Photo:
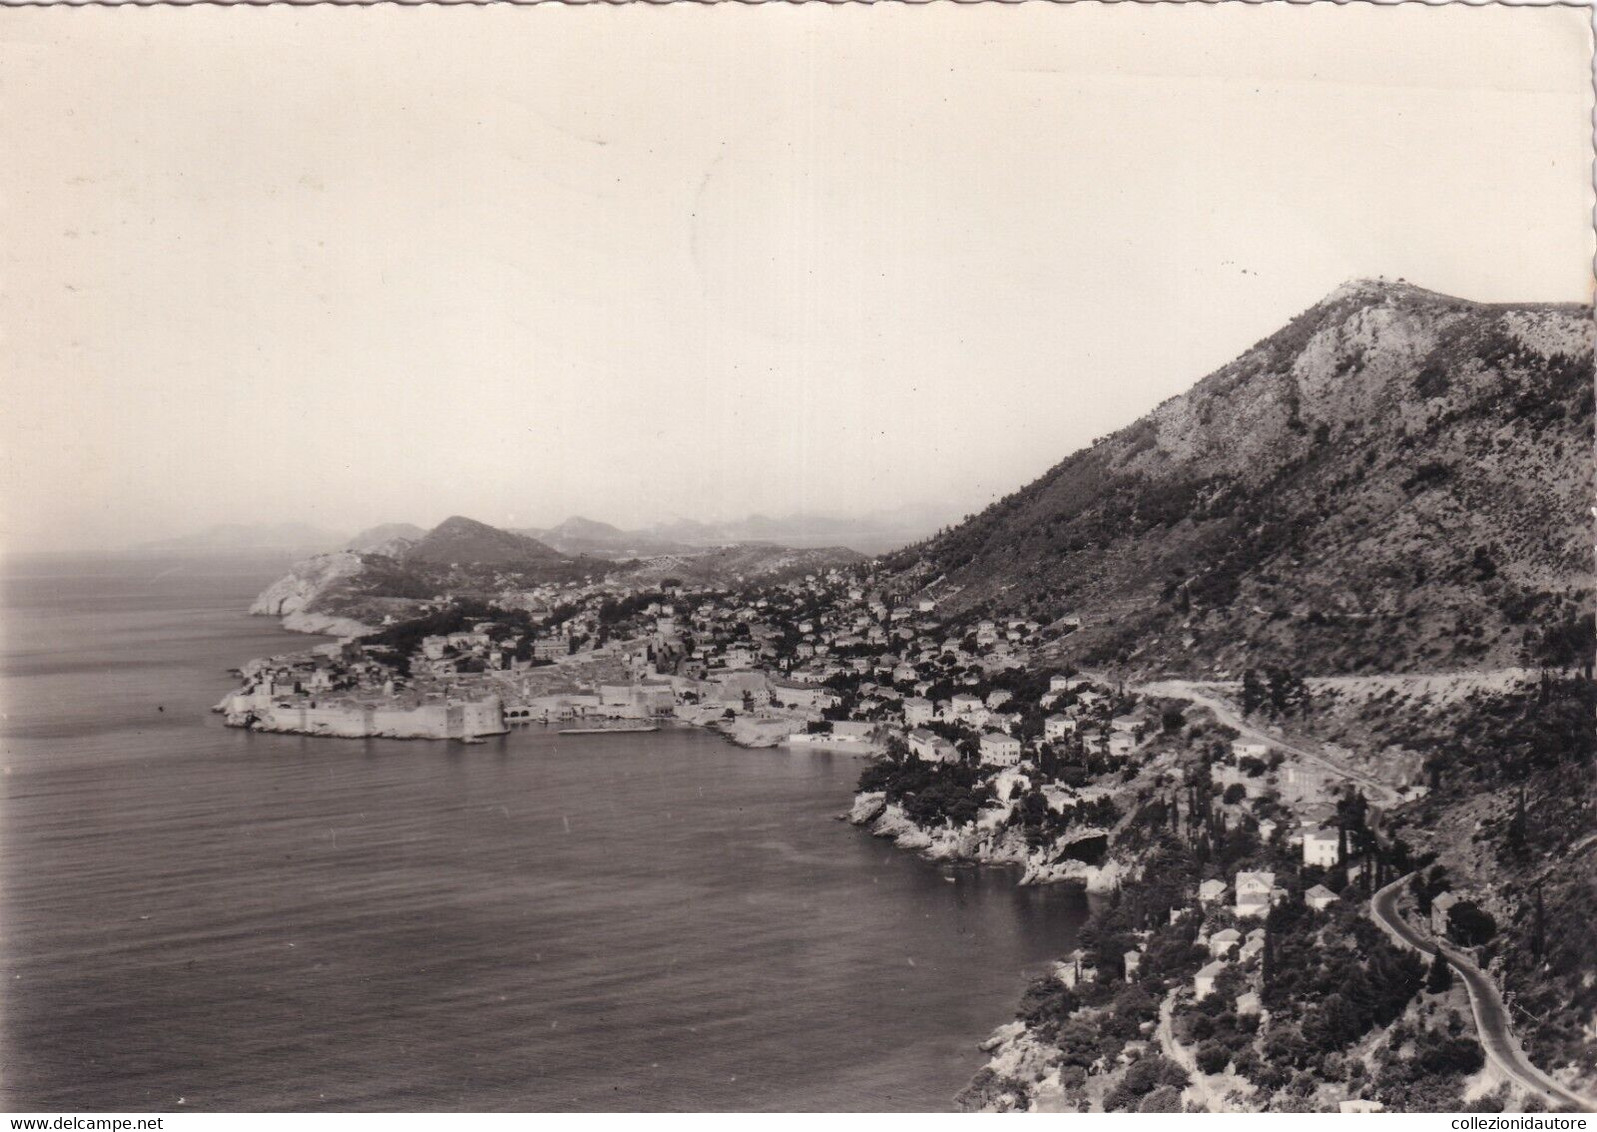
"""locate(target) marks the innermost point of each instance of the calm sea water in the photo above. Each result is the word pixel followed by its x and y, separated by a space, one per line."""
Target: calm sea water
pixel 197 917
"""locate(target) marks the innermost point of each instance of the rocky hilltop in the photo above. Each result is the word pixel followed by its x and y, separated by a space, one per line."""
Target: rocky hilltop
pixel 302 596
pixel 391 572
pixel 348 592
pixel 1397 480
pixel 459 539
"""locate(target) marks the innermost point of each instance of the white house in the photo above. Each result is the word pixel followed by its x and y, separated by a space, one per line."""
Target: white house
pixel 1203 981
pixel 964 704
pixel 1211 890
pixel 1248 1003
pixel 1121 744
pixel 1221 942
pixel 1319 898
pixel 997 698
pixel 999 750
pixel 1056 727
pixel 932 748
pixel 1249 748
pixel 1321 847
pixel 918 711
pixel 1132 960
pixel 1254 893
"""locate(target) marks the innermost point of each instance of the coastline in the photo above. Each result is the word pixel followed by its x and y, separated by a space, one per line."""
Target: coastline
pixel 991 842
pixel 362 720
pixel 1123 794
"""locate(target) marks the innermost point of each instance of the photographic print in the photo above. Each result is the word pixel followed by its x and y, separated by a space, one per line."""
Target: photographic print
pixel 784 558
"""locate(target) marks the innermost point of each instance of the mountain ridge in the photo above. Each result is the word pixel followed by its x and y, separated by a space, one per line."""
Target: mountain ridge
pixel 1392 463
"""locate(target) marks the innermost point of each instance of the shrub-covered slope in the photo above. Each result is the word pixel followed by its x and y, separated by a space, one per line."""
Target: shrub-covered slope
pixel 1396 480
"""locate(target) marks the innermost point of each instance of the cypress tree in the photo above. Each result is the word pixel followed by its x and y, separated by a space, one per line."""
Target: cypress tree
pixel 1440 977
pixel 1517 828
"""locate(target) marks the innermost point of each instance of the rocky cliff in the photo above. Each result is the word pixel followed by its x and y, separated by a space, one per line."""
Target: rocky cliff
pixel 1397 480
pixel 300 596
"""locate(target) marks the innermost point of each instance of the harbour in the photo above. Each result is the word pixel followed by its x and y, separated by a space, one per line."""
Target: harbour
pixel 247 920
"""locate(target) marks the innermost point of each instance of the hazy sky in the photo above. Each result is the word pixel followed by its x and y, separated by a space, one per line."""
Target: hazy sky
pixel 350 266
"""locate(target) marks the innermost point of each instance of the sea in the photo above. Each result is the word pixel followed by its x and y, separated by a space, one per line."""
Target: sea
pixel 193 917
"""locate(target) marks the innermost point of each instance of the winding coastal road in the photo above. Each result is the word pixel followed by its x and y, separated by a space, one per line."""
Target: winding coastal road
pixel 1491 1015
pixel 1375 790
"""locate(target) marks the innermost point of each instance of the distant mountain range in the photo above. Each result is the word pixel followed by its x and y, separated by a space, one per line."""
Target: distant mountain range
pixel 869 535
pixel 385 573
pixel 385 537
pixel 1396 480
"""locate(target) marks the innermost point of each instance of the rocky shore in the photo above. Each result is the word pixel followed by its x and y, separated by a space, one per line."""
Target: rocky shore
pixel 987 841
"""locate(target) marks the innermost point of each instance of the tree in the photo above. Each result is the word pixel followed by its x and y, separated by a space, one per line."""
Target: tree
pixel 1287 692
pixel 1145 1075
pixel 1440 977
pixel 1165 1098
pixel 1212 1057
pixel 1469 925
pixel 1517 828
pixel 1254 692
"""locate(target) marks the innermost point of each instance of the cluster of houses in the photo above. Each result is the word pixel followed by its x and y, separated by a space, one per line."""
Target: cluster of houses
pixel 827 652
pixel 1253 894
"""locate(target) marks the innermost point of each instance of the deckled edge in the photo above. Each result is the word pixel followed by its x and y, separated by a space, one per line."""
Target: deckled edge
pixel 757 3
